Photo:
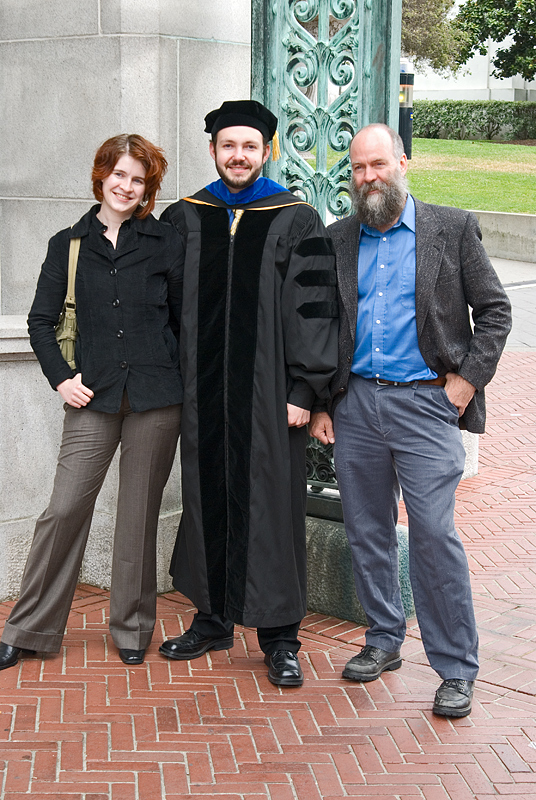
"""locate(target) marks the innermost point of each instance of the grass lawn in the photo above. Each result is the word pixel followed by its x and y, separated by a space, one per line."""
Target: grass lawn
pixel 483 176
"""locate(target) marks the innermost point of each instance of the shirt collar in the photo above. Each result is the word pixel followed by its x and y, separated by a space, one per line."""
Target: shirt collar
pixel 149 225
pixel 406 218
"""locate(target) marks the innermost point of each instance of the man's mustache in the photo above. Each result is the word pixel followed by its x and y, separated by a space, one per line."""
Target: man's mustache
pixel 372 187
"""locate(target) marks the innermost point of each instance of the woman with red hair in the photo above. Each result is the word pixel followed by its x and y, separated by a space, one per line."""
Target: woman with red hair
pixel 125 389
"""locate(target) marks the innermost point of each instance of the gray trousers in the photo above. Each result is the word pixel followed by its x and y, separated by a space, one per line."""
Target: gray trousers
pixel 90 438
pixel 389 437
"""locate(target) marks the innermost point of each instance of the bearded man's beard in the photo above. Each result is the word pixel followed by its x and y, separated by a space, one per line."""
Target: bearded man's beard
pixel 241 182
pixel 384 207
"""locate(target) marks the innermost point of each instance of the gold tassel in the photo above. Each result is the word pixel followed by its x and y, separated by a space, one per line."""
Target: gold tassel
pixel 276 150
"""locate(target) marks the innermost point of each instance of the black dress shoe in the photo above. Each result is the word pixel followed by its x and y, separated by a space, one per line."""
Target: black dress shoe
pixel 9 656
pixel 193 645
pixel 454 698
pixel 370 663
pixel 284 668
pixel 131 657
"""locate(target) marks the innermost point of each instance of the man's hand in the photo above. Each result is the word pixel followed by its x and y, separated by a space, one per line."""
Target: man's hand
pixel 74 392
pixel 459 391
pixel 297 417
pixel 321 427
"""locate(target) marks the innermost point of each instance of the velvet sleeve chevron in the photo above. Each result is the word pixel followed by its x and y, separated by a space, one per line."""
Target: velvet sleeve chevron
pixel 310 311
pixel 174 215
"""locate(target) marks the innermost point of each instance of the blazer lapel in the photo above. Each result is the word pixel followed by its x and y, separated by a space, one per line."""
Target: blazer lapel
pixel 429 247
pixel 347 270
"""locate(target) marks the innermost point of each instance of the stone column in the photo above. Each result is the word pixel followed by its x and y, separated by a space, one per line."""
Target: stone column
pixel 72 74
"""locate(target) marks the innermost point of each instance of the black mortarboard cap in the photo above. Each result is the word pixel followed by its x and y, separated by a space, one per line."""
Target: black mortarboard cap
pixel 242 112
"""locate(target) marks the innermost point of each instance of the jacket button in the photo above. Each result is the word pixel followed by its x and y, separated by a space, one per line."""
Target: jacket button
pixel 120 334
pixel 341 390
pixel 123 365
pixel 348 358
pixel 113 271
pixel 115 303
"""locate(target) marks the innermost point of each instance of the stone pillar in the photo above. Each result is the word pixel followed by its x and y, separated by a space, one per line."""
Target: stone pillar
pixel 71 75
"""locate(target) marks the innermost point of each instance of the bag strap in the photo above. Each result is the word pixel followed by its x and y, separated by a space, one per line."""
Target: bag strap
pixel 74 249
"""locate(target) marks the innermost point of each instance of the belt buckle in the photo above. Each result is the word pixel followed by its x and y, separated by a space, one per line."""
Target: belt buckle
pixel 381 382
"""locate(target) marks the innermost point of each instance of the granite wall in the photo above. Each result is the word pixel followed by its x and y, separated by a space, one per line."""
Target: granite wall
pixel 73 73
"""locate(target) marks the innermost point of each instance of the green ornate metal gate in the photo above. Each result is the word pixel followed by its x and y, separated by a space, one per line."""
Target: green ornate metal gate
pixel 326 68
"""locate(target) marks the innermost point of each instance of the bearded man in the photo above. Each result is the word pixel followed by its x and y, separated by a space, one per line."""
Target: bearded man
pixel 412 372
pixel 258 347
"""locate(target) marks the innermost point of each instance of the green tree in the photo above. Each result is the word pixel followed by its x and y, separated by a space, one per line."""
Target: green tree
pixel 430 35
pixel 482 20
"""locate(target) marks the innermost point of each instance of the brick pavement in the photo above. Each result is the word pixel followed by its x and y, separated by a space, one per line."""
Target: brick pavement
pixel 82 726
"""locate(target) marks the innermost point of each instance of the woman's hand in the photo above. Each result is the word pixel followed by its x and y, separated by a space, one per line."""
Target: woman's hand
pixel 74 392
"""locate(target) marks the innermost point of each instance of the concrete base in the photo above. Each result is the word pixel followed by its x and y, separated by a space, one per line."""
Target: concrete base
pixel 470 443
pixel 330 580
pixel 511 236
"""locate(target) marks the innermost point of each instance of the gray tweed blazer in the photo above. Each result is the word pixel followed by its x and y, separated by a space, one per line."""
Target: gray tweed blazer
pixel 462 311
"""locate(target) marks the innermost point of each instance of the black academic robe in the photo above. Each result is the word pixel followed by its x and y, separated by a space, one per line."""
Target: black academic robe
pixel 258 331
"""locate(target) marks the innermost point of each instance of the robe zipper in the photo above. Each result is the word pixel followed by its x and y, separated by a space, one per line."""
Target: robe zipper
pixel 232 232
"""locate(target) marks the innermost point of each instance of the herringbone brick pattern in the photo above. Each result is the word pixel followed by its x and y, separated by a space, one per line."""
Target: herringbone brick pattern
pixel 82 726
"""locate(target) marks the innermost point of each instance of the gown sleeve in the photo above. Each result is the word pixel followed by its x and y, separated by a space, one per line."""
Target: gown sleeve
pixel 310 310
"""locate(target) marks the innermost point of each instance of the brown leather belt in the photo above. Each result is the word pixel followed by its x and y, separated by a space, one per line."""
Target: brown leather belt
pixel 440 381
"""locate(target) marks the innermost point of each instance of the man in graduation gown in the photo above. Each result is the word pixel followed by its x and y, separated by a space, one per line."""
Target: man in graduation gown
pixel 258 346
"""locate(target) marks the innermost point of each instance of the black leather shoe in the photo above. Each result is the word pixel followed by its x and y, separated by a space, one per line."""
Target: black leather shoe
pixel 370 663
pixel 454 698
pixel 284 668
pixel 193 645
pixel 131 657
pixel 9 655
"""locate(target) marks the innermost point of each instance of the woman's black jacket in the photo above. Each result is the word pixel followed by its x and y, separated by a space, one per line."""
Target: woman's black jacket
pixel 128 305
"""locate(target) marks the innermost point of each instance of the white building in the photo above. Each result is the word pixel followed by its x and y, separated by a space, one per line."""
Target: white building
pixel 474 82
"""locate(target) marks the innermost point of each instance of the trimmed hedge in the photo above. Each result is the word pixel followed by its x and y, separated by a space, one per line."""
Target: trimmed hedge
pixel 474 119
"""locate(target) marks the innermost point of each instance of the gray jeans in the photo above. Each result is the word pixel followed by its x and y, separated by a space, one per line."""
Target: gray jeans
pixel 90 438
pixel 389 437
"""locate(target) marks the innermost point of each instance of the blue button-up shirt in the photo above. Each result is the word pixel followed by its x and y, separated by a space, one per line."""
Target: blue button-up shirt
pixel 386 336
